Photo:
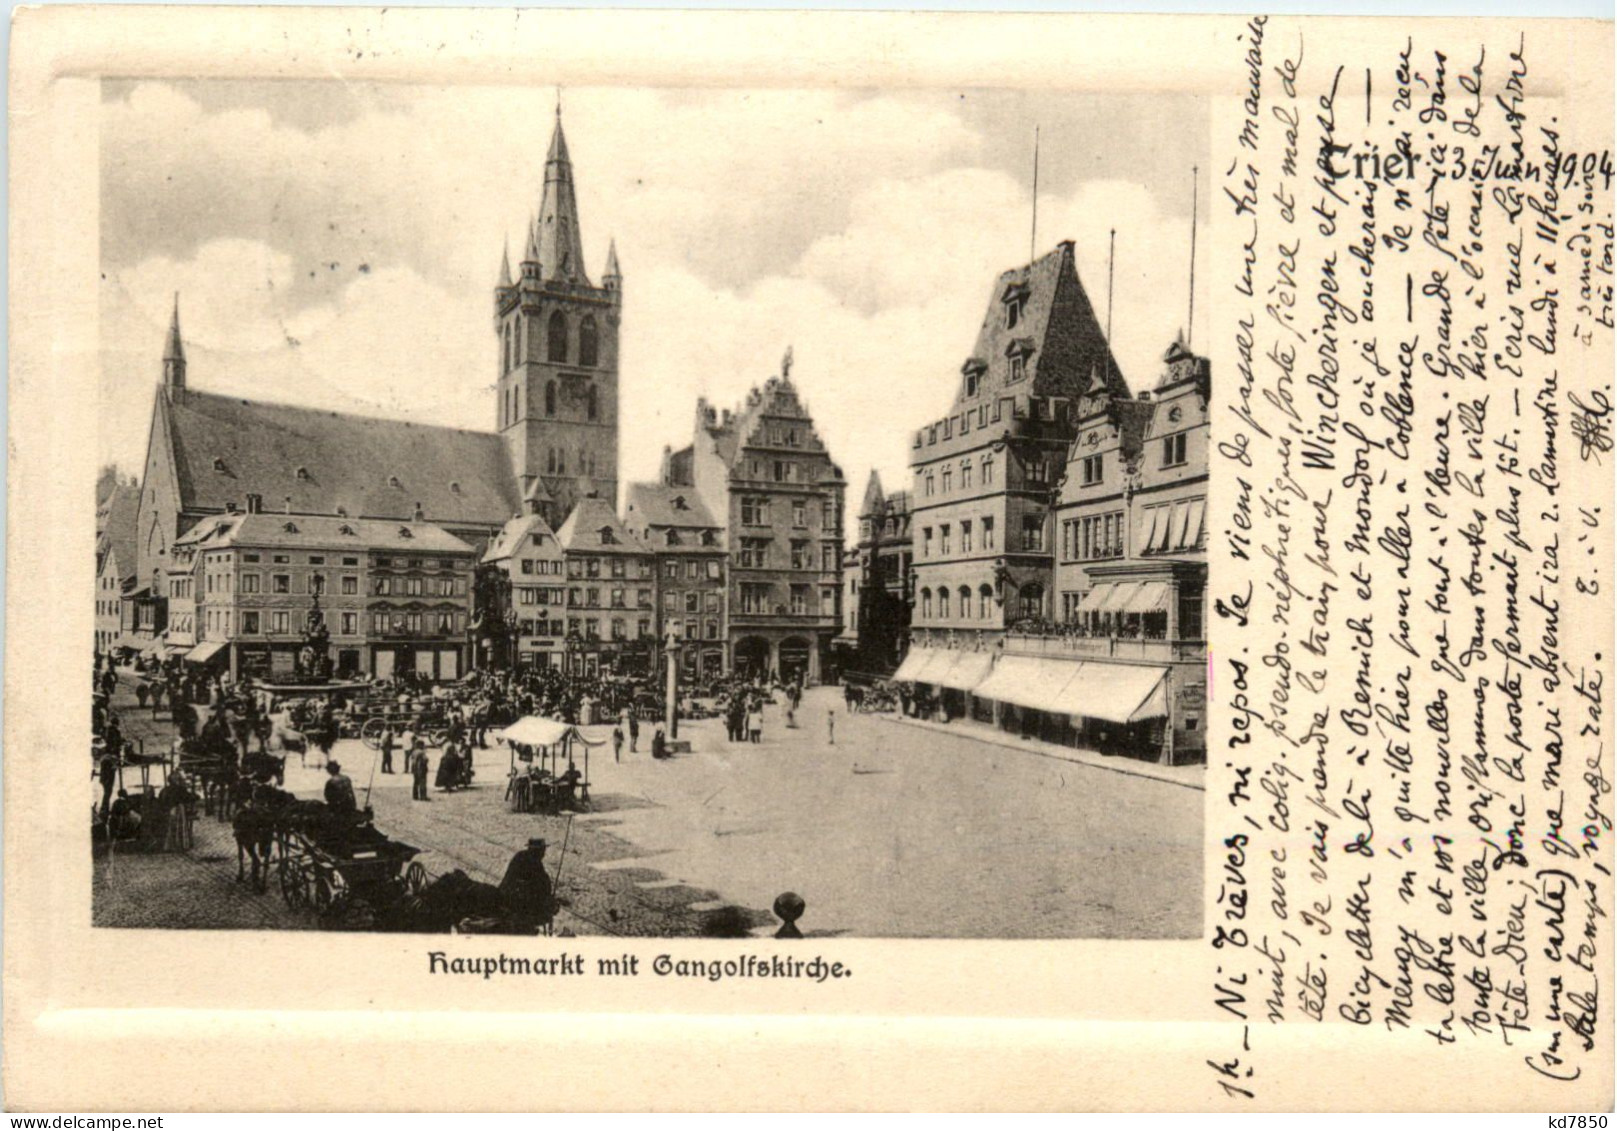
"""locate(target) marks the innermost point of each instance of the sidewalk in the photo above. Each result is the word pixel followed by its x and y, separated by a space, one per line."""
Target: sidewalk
pixel 1190 776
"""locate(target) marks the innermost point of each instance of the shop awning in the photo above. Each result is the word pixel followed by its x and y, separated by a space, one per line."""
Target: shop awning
pixel 965 671
pixel 921 663
pixel 1095 600
pixel 205 651
pixel 1148 597
pixel 1119 693
pixel 1118 599
pixel 1030 681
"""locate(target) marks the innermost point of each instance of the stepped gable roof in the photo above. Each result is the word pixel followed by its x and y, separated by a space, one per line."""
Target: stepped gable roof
pixel 1133 422
pixel 322 532
pixel 1057 321
pixel 583 530
pixel 659 504
pixel 368 467
pixel 117 528
pixel 517 534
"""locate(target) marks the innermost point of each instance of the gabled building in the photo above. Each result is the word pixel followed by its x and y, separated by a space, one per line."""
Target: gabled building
pixel 527 618
pixel 767 472
pixel 611 594
pixel 115 564
pixel 985 473
pixel 688 543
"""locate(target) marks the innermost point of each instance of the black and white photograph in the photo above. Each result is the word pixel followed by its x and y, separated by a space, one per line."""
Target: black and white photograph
pixel 638 512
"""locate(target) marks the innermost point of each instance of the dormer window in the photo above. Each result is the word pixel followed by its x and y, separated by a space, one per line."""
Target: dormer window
pixel 393 481
pixel 607 537
pixel 679 503
pixel 219 463
pixel 1015 300
pixel 303 474
pixel 671 538
pixel 454 486
pixel 342 512
pixel 1018 367
pixel 290 527
pixel 346 529
pixel 406 532
pixel 709 538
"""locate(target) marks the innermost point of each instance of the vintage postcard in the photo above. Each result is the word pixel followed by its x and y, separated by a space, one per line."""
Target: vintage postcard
pixel 1074 545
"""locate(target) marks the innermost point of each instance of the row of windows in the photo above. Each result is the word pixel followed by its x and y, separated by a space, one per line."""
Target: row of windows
pixel 755 512
pixel 945 546
pixel 983 414
pixel 556 458
pixel 929 482
pixel 754 554
pixel 1093 537
pixel 533 595
pixel 783 470
pixel 694 571
pixel 758 598
pixel 556 341
pixel 641 568
pixel 944 603
pixel 580 597
pixel 530 567
pixel 693 601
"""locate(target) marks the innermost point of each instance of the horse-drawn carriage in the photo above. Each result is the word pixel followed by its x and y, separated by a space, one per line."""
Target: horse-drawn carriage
pixel 370 719
pixel 333 870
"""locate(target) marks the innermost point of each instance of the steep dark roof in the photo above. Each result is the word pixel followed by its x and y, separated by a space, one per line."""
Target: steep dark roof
pixel 318 532
pixel 656 504
pixel 326 461
pixel 116 523
pixel 582 530
pixel 1057 323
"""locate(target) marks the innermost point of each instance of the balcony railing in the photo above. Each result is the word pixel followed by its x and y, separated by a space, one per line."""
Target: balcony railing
pixel 1105 647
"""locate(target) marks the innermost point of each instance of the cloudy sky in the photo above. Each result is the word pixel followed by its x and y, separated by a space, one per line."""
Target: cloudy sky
pixel 337 244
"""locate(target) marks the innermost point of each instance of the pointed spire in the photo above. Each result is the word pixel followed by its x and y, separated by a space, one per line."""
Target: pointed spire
pixel 505 264
pixel 612 270
pixel 561 248
pixel 174 351
pixel 531 253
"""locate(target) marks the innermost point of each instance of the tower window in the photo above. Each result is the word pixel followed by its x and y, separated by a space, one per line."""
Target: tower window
pixel 558 337
pixel 595 403
pixel 550 398
pixel 588 347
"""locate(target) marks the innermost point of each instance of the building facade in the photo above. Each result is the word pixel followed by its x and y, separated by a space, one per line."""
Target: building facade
pixel 393 597
pixel 525 616
pixel 985 474
pixel 611 595
pixel 692 590
pixel 885 577
pixel 765 469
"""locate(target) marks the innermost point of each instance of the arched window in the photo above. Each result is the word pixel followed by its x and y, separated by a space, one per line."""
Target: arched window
pixel 550 398
pixel 516 402
pixel 588 349
pixel 1032 600
pixel 988 471
pixel 558 337
pixel 505 349
pixel 965 602
pixel 943 604
pixel 550 461
pixel 516 349
pixel 595 403
pixel 985 596
pixel 926 604
pixel 561 461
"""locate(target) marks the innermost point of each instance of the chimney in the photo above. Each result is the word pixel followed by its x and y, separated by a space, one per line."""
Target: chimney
pixel 255 503
pixel 418 514
pixel 667 473
pixel 287 507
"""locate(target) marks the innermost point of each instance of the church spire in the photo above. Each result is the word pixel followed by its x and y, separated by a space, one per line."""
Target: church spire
pixel 561 249
pixel 613 279
pixel 505 264
pixel 174 351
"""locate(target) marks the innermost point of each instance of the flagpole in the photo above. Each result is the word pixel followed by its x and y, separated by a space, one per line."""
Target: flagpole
pixel 1033 236
pixel 1190 330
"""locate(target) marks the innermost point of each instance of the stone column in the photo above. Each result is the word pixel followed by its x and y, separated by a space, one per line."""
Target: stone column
pixel 671 688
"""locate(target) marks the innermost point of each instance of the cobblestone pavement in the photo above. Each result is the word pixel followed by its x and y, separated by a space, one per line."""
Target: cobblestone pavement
pixel 891 831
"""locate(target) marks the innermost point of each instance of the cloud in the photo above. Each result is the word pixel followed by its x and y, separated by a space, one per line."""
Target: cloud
pixel 348 260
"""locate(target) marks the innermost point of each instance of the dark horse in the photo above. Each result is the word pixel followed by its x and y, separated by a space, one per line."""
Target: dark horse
pixel 254 826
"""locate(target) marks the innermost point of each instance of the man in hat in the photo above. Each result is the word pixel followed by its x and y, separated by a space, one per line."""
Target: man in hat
pixel 526 892
pixel 418 771
pixel 339 791
pixel 108 769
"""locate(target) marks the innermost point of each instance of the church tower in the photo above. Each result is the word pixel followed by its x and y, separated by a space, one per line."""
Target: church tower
pixel 558 355
pixel 174 354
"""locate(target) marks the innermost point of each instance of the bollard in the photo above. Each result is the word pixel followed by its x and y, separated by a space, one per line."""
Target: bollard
pixel 789 908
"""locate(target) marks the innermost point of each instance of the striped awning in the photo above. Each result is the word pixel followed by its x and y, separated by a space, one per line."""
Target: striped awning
pixel 965 671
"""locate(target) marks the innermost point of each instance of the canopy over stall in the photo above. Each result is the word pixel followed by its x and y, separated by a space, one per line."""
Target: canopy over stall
pixel 551 738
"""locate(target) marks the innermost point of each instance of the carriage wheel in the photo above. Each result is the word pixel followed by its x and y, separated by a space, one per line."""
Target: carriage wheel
pixel 415 879
pixel 371 733
pixel 291 882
